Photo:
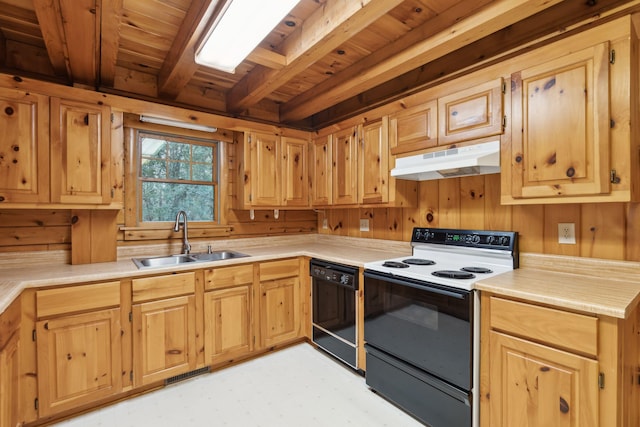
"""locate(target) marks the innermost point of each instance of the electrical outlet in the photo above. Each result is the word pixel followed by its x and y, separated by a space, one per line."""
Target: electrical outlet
pixel 567 233
pixel 325 224
pixel 364 224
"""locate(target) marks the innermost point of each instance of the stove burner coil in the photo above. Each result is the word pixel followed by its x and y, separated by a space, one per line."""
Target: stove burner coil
pixel 453 274
pixel 395 264
pixel 418 261
pixel 480 270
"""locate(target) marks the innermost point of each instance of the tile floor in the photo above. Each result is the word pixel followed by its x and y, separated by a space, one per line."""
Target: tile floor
pixel 297 386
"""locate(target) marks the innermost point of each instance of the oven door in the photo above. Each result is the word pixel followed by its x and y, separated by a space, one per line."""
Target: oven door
pixel 425 325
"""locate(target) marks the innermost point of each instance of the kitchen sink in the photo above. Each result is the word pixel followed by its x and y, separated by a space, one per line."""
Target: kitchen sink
pixel 168 260
pixel 217 255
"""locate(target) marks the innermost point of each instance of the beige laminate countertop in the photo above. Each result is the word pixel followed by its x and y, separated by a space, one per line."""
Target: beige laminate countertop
pixel 343 250
pixel 609 288
pixel 582 284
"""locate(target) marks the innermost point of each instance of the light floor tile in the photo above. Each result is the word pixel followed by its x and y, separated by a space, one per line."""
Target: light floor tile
pixel 297 386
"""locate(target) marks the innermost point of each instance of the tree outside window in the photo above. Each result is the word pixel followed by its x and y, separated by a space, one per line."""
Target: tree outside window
pixel 177 173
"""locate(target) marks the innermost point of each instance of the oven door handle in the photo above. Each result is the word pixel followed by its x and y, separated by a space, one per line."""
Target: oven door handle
pixel 421 286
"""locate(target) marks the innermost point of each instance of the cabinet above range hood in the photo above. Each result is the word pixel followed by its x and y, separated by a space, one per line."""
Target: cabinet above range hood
pixel 479 159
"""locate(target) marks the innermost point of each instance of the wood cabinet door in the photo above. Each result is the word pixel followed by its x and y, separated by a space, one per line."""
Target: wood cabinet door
pixel 279 310
pixel 560 139
pixel 321 185
pixel 345 167
pixel 10 382
pixel 163 339
pixel 80 152
pixel 472 113
pixel 414 129
pixel 79 360
pixel 227 324
pixel 295 179
pixel 373 166
pixel 537 386
pixel 265 169
pixel 24 147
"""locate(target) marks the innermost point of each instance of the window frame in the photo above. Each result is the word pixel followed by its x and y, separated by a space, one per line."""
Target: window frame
pixel 177 137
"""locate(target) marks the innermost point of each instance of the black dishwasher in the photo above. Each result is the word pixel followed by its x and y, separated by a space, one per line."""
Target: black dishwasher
pixel 334 295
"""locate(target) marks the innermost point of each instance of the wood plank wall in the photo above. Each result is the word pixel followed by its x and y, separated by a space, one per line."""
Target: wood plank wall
pixel 35 230
pixel 603 230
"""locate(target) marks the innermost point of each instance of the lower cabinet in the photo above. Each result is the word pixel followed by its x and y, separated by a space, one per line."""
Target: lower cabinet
pixel 78 355
pixel 9 382
pixel 279 307
pixel 228 304
pixel 546 366
pixel 537 385
pixel 164 323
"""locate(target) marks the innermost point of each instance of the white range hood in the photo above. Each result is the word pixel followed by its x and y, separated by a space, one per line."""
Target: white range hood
pixel 476 159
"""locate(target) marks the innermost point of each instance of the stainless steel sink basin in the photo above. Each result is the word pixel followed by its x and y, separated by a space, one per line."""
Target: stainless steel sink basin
pixel 217 255
pixel 164 261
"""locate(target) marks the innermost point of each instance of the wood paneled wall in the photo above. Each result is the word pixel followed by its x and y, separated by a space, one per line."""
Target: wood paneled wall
pixel 603 230
pixel 34 230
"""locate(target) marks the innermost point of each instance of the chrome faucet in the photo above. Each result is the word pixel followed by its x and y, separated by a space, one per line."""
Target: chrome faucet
pixel 186 247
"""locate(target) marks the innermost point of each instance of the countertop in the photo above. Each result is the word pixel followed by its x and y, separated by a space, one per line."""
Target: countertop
pixel 602 287
pixel 345 250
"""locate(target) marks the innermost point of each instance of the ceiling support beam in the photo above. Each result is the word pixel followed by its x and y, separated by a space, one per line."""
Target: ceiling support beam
pixel 328 28
pixel 418 47
pixel 179 66
pixel 49 18
pixel 109 40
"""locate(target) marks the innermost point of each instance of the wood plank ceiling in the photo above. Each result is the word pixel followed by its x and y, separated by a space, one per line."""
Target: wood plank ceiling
pixel 327 60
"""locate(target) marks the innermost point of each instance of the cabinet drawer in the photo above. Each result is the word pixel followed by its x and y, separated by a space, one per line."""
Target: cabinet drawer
pixel 547 325
pixel 172 285
pixel 216 278
pixel 53 302
pixel 279 269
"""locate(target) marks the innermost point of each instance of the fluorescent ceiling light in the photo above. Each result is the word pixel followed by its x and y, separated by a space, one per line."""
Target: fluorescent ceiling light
pixel 178 124
pixel 238 30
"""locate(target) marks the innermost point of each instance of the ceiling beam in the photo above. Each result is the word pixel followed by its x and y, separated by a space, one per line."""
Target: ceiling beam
pixel 329 27
pixel 418 47
pixel 179 65
pixel 268 58
pixel 50 20
pixel 110 18
pixel 546 24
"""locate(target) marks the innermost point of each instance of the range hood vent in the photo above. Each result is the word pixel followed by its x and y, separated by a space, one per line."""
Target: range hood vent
pixel 479 159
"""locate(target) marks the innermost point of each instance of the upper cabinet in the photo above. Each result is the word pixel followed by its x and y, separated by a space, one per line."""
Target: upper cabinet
pixel 322 163
pixel 345 167
pixel 414 129
pixel 24 147
pixel 570 138
pixel 275 171
pixel 472 113
pixel 53 152
pixel 80 152
pixel 351 167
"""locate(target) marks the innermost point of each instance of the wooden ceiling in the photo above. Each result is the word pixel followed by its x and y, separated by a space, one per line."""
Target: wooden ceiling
pixel 327 60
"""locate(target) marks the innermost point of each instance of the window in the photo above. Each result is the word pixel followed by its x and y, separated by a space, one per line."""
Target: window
pixel 177 173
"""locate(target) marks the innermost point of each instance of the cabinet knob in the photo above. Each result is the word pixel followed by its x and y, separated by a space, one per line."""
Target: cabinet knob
pixel 1 198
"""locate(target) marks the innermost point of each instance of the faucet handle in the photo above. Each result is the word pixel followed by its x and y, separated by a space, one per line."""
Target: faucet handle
pixel 209 249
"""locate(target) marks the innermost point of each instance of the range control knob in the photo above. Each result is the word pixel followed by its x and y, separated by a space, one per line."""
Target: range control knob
pixel 344 279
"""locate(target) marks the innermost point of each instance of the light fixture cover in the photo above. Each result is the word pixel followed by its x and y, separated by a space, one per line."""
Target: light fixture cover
pixel 239 29
pixel 177 123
